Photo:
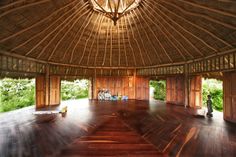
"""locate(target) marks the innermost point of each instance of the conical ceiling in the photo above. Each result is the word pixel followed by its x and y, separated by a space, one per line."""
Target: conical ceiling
pixel 157 32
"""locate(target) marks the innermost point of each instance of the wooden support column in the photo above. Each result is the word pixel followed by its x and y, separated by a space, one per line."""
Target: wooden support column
pixel 196 92
pixel 229 90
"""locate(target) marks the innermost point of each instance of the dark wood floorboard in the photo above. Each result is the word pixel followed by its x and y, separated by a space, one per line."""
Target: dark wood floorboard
pixel 103 128
pixel 112 138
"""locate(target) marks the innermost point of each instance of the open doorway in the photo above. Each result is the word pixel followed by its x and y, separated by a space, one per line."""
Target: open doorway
pixel 16 93
pixel 73 90
pixel 157 90
pixel 214 88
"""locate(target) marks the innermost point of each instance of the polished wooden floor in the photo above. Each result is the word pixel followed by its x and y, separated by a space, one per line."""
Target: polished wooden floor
pixel 103 128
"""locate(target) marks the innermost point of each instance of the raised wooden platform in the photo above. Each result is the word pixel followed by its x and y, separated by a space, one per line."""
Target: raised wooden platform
pixel 132 128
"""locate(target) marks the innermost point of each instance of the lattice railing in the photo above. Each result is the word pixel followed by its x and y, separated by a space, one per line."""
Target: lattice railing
pixel 221 63
pixel 167 70
pixel 15 65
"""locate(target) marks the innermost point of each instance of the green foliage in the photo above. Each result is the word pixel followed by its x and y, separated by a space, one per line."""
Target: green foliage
pixel 213 87
pixel 159 89
pixel 74 90
pixel 19 93
pixel 16 93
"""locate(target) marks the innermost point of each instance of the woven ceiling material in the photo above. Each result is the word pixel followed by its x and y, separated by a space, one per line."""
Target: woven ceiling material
pixel 158 32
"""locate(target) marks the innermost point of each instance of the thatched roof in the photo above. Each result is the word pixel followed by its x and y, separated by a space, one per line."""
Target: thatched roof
pixel 158 32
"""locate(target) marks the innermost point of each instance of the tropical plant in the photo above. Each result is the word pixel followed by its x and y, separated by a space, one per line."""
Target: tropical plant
pixel 19 93
pixel 74 89
pixel 159 89
pixel 16 93
pixel 214 88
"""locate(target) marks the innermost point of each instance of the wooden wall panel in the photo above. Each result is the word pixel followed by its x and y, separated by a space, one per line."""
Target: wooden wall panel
pixel 229 89
pixel 55 90
pixel 227 96
pixel 131 87
pixel 196 92
pixel 139 90
pixel 180 90
pixel 168 89
pixel 115 85
pixel 142 88
pixel 175 92
pixel 124 86
pixel 40 91
pixel 47 91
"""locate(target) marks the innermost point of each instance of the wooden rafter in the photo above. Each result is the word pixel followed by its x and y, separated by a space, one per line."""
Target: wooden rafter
pixel 154 38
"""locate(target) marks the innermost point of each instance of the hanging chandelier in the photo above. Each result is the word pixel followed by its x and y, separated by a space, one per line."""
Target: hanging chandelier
pixel 114 9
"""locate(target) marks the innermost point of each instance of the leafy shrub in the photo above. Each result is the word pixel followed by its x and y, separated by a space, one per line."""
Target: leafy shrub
pixel 74 90
pixel 159 89
pixel 16 93
pixel 19 93
pixel 214 88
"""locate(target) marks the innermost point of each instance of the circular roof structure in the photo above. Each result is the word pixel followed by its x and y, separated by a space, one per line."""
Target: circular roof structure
pixel 157 32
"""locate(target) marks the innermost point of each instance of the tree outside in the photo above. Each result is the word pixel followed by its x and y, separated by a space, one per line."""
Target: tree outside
pixel 16 93
pixel 19 93
pixel 74 89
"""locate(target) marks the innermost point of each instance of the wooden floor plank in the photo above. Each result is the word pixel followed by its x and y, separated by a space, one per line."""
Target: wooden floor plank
pixel 131 128
pixel 115 145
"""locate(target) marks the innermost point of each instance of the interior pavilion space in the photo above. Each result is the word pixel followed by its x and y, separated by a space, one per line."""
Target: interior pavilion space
pixel 119 45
